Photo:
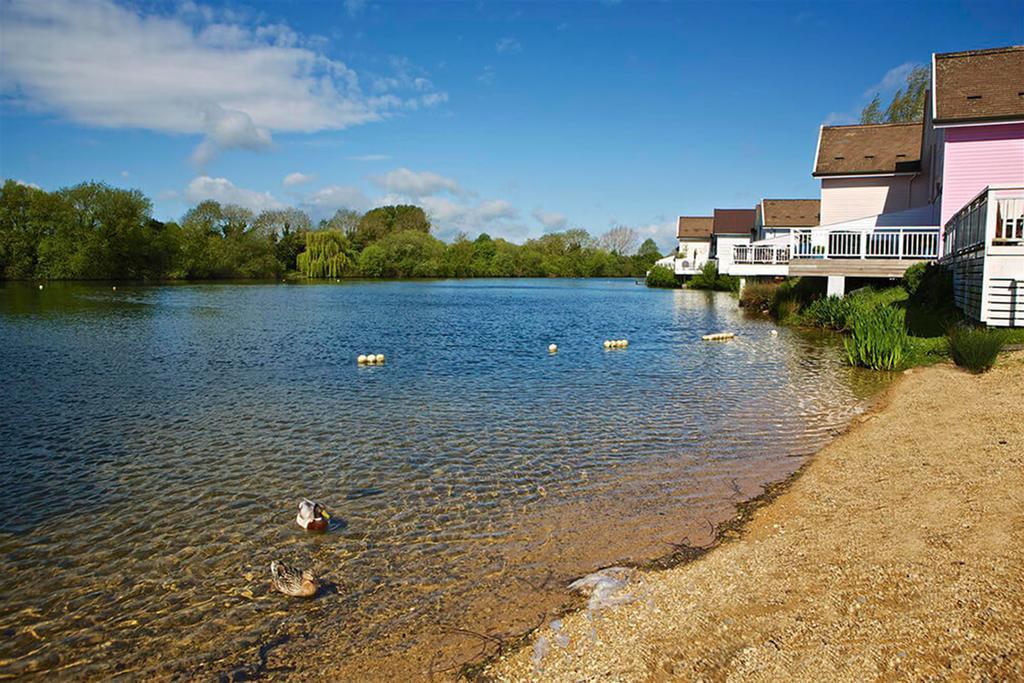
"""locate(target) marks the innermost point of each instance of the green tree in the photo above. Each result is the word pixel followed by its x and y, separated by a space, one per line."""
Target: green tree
pixel 383 220
pixel 872 112
pixel 907 103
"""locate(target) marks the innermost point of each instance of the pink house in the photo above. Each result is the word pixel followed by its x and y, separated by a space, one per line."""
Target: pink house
pixel 977 110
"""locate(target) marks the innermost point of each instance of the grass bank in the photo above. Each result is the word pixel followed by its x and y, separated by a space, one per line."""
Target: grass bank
pixel 890 328
pixel 895 555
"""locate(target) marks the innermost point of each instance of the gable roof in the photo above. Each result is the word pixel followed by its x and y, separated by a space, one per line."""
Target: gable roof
pixel 868 149
pixel 733 221
pixel 979 85
pixel 790 213
pixel 694 227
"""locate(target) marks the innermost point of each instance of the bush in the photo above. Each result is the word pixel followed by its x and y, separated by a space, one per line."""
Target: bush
pixel 912 277
pixel 758 296
pixel 878 338
pixel 661 276
pixel 791 296
pixel 929 284
pixel 708 278
pixel 975 349
pixel 830 312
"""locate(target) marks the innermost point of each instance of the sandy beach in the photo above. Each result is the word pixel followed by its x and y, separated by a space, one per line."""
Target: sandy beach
pixel 896 554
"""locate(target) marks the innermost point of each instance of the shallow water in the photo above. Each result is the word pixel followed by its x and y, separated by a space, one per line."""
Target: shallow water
pixel 155 442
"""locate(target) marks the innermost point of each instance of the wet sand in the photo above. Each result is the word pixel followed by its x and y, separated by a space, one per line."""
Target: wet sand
pixel 897 553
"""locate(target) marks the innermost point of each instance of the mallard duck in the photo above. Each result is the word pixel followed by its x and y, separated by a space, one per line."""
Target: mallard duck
pixel 300 584
pixel 312 516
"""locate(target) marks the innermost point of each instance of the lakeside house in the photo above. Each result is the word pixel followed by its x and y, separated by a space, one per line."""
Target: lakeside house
pixel 777 218
pixel 977 109
pixel 693 234
pixel 949 188
pixel 730 228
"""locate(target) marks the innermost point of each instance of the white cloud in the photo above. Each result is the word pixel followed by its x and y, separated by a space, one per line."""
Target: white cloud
pixel 508 46
pixel 838 118
pixel 197 71
pixel 494 209
pixel 416 184
pixel 487 75
pixel 369 157
pixel 355 7
pixel 293 179
pixel 894 78
pixel 125 174
pixel 24 183
pixel 224 191
pixel 551 220
pixel 329 199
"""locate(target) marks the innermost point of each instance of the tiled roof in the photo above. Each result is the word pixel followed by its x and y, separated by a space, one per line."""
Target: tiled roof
pixel 791 213
pixel 694 226
pixel 734 221
pixel 979 85
pixel 869 148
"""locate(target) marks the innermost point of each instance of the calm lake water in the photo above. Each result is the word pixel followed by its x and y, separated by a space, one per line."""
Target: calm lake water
pixel 155 442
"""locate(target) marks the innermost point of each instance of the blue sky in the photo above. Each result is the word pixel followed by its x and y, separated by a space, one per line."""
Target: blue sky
pixel 509 118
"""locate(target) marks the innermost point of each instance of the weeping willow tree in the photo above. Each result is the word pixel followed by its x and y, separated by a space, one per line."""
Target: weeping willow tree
pixel 326 254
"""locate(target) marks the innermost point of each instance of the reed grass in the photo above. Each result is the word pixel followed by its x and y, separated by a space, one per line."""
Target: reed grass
pixel 975 349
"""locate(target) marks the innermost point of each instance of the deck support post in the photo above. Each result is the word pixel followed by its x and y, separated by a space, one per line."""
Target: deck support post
pixel 743 283
pixel 837 285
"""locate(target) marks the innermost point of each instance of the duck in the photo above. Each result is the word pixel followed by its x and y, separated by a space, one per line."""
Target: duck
pixel 290 581
pixel 312 516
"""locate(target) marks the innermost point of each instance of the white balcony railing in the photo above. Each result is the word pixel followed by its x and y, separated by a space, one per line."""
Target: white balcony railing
pixel 755 254
pixel 995 217
pixel 873 243
pixel 823 243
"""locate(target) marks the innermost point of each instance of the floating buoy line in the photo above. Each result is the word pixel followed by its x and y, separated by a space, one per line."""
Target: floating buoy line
pixel 616 343
pixel 718 336
pixel 371 359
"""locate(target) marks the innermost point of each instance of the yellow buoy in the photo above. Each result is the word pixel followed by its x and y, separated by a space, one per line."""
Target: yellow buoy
pixel 379 358
pixel 361 360
pixel 552 348
pixel 775 333
pixel 607 343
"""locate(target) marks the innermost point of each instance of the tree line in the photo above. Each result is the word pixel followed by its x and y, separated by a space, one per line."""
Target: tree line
pixel 94 231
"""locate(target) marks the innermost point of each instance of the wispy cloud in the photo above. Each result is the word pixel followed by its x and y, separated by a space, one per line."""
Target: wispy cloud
pixel 327 200
pixel 551 220
pixel 199 71
pixel 416 184
pixel 293 179
pixel 354 7
pixel 224 191
pixel 487 75
pixel 508 46
pixel 894 78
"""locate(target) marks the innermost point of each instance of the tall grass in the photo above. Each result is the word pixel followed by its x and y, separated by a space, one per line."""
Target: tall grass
pixel 758 296
pixel 975 349
pixel 878 338
pixel 831 312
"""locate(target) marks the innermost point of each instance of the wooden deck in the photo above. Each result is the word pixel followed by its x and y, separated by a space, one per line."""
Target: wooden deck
pixel 880 267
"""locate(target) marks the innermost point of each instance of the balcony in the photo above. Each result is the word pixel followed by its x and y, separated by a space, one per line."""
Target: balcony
pixel 848 251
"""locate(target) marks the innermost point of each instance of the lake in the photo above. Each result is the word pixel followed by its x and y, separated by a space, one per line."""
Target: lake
pixel 156 442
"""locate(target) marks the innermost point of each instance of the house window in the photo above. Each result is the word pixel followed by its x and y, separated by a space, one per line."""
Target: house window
pixel 1011 229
